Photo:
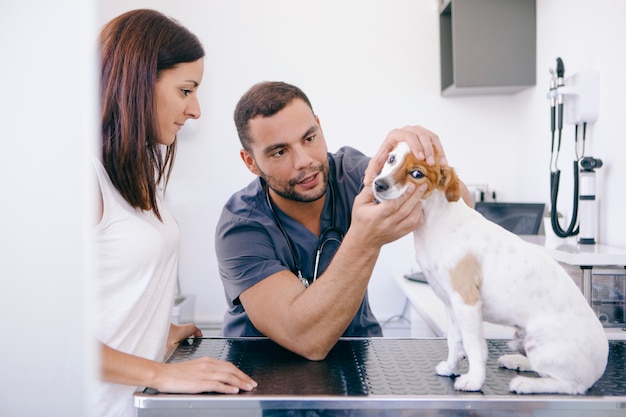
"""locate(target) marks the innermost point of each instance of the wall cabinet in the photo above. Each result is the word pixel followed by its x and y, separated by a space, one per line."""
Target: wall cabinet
pixel 487 46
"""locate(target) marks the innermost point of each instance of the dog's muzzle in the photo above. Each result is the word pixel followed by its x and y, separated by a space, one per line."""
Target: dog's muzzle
pixel 380 186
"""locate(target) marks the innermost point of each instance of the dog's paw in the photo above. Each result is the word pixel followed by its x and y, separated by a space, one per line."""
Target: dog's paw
pixel 468 382
pixel 522 385
pixel 514 362
pixel 443 369
pixel 526 385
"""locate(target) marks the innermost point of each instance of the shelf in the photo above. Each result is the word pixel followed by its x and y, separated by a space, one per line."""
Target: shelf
pixel 487 46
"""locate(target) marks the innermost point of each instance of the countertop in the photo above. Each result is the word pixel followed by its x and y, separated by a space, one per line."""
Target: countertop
pixel 373 377
pixel 432 311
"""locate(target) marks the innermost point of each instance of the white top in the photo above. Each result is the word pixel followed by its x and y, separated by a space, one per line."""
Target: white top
pixel 136 264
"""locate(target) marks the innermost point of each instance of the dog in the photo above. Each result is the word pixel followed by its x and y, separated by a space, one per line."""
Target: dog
pixel 481 271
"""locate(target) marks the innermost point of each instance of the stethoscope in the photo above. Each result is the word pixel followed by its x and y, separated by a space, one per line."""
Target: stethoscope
pixel 556 100
pixel 325 236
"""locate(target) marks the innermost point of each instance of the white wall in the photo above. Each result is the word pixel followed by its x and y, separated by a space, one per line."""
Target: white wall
pixel 47 114
pixel 370 66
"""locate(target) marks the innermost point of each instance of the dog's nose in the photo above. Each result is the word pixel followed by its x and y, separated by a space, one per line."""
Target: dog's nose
pixel 381 185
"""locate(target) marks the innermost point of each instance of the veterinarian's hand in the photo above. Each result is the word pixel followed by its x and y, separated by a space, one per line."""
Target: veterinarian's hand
pixel 388 221
pixel 423 143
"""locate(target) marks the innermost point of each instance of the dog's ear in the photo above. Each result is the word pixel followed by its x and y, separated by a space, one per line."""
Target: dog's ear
pixel 449 182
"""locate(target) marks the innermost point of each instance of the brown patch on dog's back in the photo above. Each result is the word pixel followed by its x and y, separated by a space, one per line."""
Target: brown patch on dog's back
pixel 466 278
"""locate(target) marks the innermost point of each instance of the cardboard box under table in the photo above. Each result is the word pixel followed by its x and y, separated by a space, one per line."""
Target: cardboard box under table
pixel 373 377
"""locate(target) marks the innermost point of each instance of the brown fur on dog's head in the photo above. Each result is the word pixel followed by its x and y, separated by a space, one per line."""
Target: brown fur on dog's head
pixel 449 182
pixel 402 167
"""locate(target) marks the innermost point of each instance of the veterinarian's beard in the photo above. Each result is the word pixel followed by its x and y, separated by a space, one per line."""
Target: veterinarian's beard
pixel 286 190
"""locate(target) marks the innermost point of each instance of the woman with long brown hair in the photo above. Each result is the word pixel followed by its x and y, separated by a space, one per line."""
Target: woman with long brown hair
pixel 151 68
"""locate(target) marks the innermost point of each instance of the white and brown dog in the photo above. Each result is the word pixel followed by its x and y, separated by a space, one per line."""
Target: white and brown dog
pixel 483 272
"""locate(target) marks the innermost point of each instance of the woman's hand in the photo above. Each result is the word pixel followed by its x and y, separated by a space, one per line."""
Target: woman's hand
pixel 189 377
pixel 180 332
pixel 202 375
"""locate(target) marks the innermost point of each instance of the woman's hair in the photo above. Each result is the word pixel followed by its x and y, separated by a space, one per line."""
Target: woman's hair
pixel 135 48
pixel 264 99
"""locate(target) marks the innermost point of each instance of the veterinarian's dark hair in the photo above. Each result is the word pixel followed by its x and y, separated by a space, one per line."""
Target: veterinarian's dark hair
pixel 264 99
pixel 135 48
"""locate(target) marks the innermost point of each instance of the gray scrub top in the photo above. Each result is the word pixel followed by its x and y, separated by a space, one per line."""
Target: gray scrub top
pixel 250 246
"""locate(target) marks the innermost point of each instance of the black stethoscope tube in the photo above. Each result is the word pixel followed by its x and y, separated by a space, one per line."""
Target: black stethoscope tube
pixel 572 230
pixel 322 239
pixel 555 173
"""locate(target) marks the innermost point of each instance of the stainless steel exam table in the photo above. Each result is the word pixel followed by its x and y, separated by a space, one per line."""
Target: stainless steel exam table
pixel 373 377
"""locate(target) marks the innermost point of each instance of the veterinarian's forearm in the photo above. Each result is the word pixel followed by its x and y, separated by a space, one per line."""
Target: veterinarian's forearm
pixel 331 303
pixel 315 318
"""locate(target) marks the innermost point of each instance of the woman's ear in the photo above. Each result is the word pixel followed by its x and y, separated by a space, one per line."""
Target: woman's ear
pixel 450 183
pixel 250 162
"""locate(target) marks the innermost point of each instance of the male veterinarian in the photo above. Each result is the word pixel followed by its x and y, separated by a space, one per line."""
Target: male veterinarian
pixel 297 246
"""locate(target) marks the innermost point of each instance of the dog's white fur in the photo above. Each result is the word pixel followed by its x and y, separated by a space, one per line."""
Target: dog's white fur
pixel 483 272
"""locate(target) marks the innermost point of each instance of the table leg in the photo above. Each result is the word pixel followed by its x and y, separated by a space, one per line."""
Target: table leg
pixel 586 284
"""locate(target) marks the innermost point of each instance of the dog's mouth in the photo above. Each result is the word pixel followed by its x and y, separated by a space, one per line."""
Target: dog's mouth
pixel 379 198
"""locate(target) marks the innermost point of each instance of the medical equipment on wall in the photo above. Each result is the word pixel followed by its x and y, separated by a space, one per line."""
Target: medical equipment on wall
pixel 575 99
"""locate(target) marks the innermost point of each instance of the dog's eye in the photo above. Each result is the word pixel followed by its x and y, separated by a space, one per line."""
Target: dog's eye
pixel 417 174
pixel 391 159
